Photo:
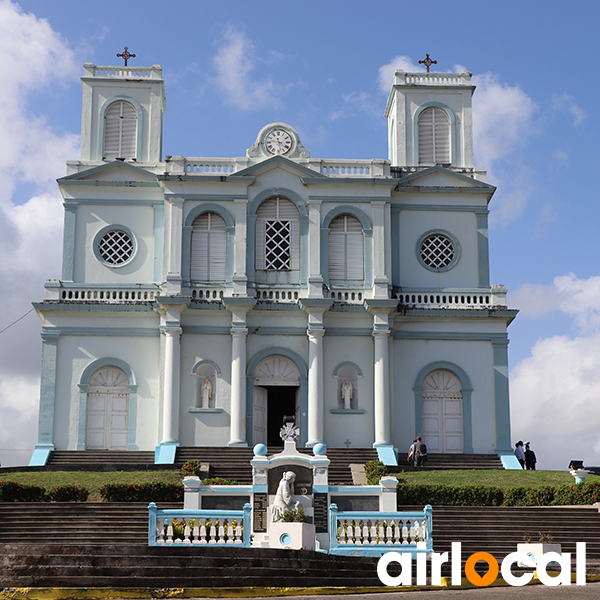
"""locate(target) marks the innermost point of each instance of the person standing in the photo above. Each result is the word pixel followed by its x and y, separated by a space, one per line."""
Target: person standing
pixel 411 452
pixel 420 453
pixel 520 453
pixel 530 459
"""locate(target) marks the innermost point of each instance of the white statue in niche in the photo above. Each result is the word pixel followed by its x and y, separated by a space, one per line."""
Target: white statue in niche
pixel 347 394
pixel 284 499
pixel 206 393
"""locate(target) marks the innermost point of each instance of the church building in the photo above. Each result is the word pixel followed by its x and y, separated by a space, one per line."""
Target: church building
pixel 204 299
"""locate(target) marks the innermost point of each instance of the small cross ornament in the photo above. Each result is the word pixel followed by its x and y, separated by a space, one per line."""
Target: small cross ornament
pixel 347 442
pixel 427 62
pixel 125 55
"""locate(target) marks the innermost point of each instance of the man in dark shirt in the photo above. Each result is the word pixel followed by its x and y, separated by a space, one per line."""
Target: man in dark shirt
pixel 420 453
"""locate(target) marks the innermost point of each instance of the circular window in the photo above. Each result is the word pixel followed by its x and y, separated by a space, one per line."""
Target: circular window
pixel 114 247
pixel 438 251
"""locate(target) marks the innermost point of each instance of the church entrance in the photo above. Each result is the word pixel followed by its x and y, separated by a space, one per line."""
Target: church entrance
pixel 443 412
pixel 108 410
pixel 276 394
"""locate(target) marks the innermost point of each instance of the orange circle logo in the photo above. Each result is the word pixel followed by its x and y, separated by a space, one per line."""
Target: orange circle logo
pixel 473 576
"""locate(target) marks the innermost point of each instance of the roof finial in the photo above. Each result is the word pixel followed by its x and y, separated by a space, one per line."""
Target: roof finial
pixel 427 62
pixel 126 56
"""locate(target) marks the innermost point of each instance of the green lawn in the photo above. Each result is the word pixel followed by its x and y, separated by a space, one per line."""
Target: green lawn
pixel 497 478
pixel 93 481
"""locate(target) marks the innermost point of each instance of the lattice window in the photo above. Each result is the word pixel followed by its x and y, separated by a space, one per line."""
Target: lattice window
pixel 115 247
pixel 278 237
pixel 437 251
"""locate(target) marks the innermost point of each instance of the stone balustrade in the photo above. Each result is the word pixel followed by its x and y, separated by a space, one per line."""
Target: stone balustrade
pixel 200 527
pixel 494 298
pixel 207 294
pixel 122 72
pixel 355 168
pixel 371 533
pixel 58 292
pixel 441 79
pixel 280 294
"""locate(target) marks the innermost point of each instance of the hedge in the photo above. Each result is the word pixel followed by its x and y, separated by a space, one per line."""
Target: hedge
pixel 11 491
pixel 142 492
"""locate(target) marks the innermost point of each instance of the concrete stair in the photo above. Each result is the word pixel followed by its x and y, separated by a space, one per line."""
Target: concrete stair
pixel 453 461
pixel 102 460
pixel 140 566
pixel 234 463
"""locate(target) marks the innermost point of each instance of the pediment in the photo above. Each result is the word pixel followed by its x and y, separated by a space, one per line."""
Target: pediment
pixel 112 171
pixel 278 162
pixel 440 177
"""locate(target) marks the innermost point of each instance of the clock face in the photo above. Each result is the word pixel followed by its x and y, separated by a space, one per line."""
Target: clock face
pixel 278 141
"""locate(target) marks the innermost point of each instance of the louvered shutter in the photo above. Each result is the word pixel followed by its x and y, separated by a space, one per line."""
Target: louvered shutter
pixel 208 261
pixel 346 249
pixel 120 131
pixel 434 137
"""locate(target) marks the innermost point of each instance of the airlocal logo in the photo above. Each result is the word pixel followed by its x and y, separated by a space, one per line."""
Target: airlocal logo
pixel 437 560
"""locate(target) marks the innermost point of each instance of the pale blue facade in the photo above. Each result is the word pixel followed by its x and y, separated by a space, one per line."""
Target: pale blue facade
pixel 202 299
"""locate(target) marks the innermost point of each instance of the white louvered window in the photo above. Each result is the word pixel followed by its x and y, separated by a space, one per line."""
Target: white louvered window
pixel 277 236
pixel 120 131
pixel 434 137
pixel 346 249
pixel 209 248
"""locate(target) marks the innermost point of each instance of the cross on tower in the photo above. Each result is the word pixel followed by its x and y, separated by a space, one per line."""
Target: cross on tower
pixel 126 56
pixel 427 62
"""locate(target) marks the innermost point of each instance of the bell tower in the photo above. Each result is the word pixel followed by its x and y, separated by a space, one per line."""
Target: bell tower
pixel 122 114
pixel 429 119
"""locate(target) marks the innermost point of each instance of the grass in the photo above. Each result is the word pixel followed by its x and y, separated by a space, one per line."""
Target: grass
pixel 497 478
pixel 91 480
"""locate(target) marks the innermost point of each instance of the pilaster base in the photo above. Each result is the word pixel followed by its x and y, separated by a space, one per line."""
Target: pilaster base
pixel 40 455
pixel 165 453
pixel 387 454
pixel 238 444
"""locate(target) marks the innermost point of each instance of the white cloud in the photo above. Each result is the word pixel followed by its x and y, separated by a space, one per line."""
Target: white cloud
pixel 555 391
pixel 35 59
pixel 403 63
pixel 567 102
pixel 234 62
pixel 357 102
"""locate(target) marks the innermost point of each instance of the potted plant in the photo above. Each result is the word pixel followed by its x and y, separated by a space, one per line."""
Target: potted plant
pixel 535 550
pixel 292 530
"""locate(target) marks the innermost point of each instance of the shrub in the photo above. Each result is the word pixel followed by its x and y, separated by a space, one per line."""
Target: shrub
pixel 68 493
pixel 527 496
pixel 144 492
pixel 577 493
pixel 17 492
pixel 219 481
pixel 375 470
pixel 191 468
pixel 294 515
pixel 449 495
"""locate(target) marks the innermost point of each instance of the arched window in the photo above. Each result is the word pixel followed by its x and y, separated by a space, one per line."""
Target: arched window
pixel 443 412
pixel 434 137
pixel 347 386
pixel 120 131
pixel 277 236
pixel 209 248
pixel 346 249
pixel 206 386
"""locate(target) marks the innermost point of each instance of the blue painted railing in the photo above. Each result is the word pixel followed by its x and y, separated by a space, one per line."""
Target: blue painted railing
pixel 200 527
pixel 374 533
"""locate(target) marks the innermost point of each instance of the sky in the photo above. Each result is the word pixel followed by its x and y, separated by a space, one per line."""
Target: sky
pixel 326 68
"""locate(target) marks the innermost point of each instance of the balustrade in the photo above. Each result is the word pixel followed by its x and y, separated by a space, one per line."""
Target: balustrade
pixel 470 300
pixel 199 527
pixel 355 530
pixel 111 296
pixel 207 294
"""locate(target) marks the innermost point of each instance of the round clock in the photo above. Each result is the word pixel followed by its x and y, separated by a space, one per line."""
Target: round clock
pixel 278 141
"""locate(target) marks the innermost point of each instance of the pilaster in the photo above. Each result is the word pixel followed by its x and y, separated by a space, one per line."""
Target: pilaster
pixel 380 277
pixel 240 277
pixel 175 241
pixel 315 277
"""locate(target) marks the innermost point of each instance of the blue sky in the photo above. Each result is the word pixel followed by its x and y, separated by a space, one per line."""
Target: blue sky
pixel 325 68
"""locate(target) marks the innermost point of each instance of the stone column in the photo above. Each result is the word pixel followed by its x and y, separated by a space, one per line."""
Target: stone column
pixel 315 309
pixel 175 232
pixel 239 308
pixel 171 386
pixel 240 279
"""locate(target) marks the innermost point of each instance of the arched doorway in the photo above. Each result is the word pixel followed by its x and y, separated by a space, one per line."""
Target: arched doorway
pixel 443 412
pixel 107 410
pixel 276 393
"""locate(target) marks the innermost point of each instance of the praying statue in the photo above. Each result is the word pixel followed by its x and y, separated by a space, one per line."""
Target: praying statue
pixel 284 498
pixel 347 393
pixel 206 393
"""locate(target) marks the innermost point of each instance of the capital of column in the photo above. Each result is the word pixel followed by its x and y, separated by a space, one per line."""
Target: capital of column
pixel 237 332
pixel 315 333
pixel 172 331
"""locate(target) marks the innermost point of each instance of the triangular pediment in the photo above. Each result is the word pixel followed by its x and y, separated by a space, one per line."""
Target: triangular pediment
pixel 440 177
pixel 278 162
pixel 112 171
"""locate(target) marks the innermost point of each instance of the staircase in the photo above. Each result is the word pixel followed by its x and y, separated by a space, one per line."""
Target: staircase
pixel 102 460
pixel 498 529
pixel 234 463
pixel 454 461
